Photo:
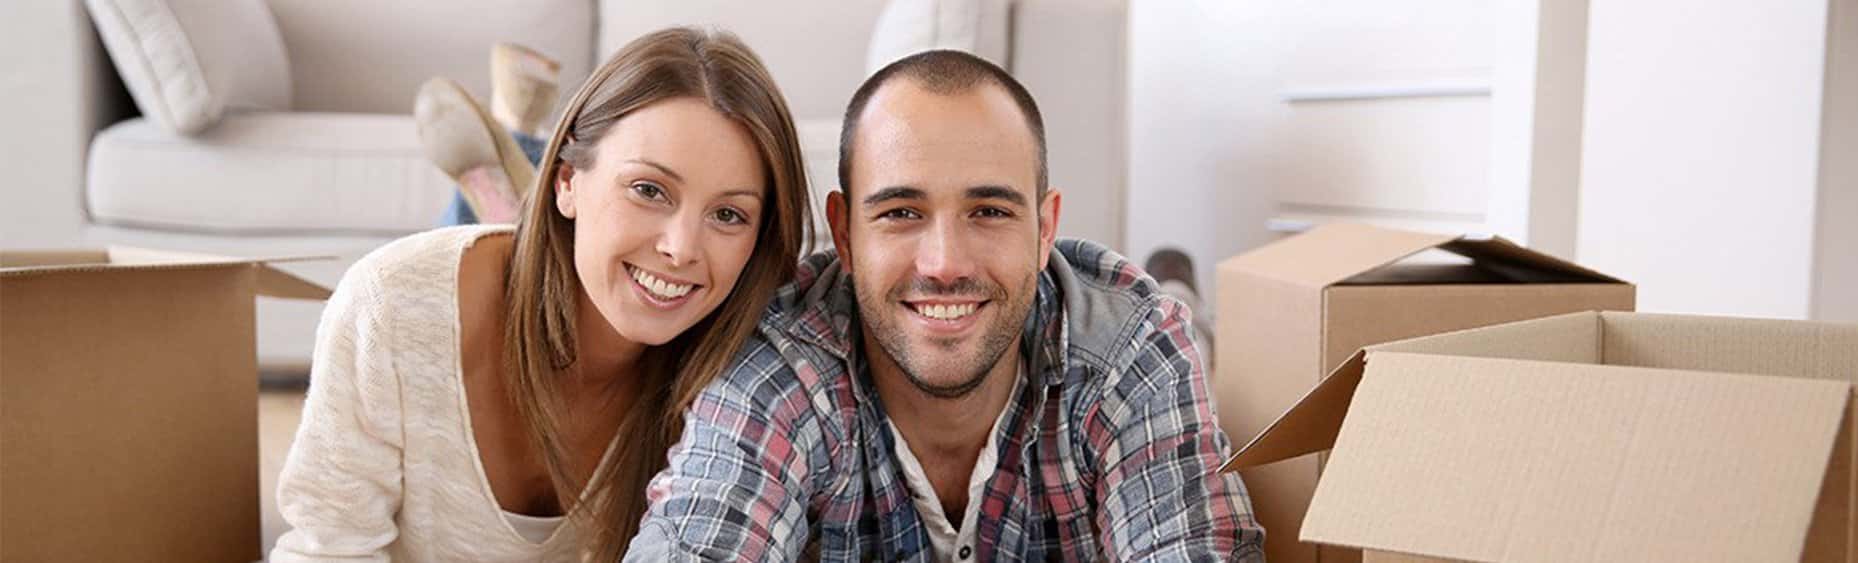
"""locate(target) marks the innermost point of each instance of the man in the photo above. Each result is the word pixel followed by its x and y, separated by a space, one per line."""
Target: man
pixel 951 384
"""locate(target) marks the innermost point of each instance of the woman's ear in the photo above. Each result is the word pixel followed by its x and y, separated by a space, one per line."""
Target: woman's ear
pixel 564 190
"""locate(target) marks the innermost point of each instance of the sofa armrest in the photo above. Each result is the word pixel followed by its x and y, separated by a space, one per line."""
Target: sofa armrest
pixel 60 91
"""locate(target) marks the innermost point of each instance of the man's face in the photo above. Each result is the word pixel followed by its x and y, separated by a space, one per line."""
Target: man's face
pixel 943 230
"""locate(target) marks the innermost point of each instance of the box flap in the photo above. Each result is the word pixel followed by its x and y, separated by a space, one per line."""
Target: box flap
pixel 1507 460
pixel 1309 426
pixel 1764 346
pixel 1571 337
pixel 1527 265
pixel 272 282
pixel 1333 252
pixel 11 260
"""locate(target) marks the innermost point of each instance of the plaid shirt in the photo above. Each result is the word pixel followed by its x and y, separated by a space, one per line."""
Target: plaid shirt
pixel 1110 447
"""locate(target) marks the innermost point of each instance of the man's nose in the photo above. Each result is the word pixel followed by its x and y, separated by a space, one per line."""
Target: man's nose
pixel 943 254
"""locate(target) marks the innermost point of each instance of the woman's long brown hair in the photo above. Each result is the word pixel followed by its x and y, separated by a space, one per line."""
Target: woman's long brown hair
pixel 543 292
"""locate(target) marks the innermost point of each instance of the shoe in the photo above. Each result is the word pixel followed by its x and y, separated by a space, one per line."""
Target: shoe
pixel 465 142
pixel 1170 264
pixel 523 86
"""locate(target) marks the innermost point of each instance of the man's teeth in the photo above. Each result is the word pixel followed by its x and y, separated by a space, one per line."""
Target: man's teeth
pixel 660 288
pixel 948 312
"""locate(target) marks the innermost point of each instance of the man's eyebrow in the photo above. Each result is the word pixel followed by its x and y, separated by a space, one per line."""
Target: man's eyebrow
pixel 997 192
pixel 661 168
pixel 893 192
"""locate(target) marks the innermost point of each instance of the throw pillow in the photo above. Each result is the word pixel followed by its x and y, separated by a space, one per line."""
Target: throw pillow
pixel 188 62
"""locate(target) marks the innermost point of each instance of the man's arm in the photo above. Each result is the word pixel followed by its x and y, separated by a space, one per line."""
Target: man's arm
pixel 1158 450
pixel 738 483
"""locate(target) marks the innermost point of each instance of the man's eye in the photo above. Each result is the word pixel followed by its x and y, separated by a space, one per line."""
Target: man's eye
pixel 993 213
pixel 899 213
pixel 648 190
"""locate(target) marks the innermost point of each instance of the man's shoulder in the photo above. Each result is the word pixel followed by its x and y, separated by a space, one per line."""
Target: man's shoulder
pixel 1104 269
pixel 1132 336
pixel 814 279
pixel 1110 305
pixel 776 374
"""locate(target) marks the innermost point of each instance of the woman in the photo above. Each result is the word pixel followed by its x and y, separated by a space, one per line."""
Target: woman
pixel 487 395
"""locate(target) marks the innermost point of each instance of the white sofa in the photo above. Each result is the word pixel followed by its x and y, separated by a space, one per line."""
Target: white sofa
pixel 341 172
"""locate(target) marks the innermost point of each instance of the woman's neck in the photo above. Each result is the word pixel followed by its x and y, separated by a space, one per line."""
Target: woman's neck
pixel 602 355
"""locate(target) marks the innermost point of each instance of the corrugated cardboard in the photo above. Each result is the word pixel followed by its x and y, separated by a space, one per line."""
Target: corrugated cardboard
pixel 1291 311
pixel 128 404
pixel 1586 437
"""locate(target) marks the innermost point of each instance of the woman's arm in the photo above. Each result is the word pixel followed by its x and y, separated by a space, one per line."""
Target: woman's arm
pixel 341 484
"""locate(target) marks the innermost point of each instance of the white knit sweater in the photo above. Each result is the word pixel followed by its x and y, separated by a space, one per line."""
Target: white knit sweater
pixel 384 466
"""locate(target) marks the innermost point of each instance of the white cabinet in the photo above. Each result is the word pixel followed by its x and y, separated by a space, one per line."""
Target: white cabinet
pixel 1445 115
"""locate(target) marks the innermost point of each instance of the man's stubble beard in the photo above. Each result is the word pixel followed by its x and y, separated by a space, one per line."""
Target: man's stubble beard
pixel 995 340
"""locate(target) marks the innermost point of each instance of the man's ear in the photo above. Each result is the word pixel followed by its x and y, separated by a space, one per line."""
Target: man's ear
pixel 1048 224
pixel 838 217
pixel 564 190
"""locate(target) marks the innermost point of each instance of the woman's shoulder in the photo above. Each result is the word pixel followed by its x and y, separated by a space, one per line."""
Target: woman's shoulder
pixel 421 262
pixel 410 278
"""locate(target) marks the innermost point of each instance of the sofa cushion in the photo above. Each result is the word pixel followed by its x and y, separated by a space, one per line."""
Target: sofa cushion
pixel 371 56
pixel 274 173
pixel 186 62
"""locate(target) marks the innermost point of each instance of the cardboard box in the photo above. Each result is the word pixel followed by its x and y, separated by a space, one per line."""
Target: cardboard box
pixel 1291 311
pixel 1586 437
pixel 128 405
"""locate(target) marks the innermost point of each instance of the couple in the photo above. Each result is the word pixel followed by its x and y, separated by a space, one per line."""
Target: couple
pixel 641 371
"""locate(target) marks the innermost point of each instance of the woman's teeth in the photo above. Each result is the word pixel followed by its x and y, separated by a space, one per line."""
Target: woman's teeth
pixel 947 312
pixel 658 287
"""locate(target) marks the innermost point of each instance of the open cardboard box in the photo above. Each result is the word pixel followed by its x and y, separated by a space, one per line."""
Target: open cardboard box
pixel 128 404
pixel 1291 311
pixel 1585 437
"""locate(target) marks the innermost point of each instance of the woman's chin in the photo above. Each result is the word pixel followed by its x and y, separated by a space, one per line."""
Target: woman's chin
pixel 653 336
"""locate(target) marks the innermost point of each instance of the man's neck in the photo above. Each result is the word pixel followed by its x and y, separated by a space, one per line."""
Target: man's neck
pixel 937 426
pixel 946 435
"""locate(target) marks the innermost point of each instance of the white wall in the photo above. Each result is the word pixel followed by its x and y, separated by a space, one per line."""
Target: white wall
pixel 1196 148
pixel 1699 164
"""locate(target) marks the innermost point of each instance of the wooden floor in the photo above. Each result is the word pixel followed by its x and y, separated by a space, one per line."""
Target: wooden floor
pixel 278 412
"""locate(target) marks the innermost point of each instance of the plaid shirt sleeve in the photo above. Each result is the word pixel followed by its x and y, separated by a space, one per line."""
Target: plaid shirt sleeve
pixel 737 486
pixel 1158 450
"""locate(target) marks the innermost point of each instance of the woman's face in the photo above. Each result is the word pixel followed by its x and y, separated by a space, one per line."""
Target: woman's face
pixel 665 219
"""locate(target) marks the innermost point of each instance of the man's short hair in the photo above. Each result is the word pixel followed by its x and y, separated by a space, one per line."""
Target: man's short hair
pixel 942 72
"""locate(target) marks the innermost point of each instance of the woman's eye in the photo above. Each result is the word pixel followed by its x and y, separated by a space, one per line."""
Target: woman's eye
pixel 730 216
pixel 649 191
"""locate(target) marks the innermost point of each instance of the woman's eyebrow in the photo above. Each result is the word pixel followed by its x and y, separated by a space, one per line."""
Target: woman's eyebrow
pixel 661 168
